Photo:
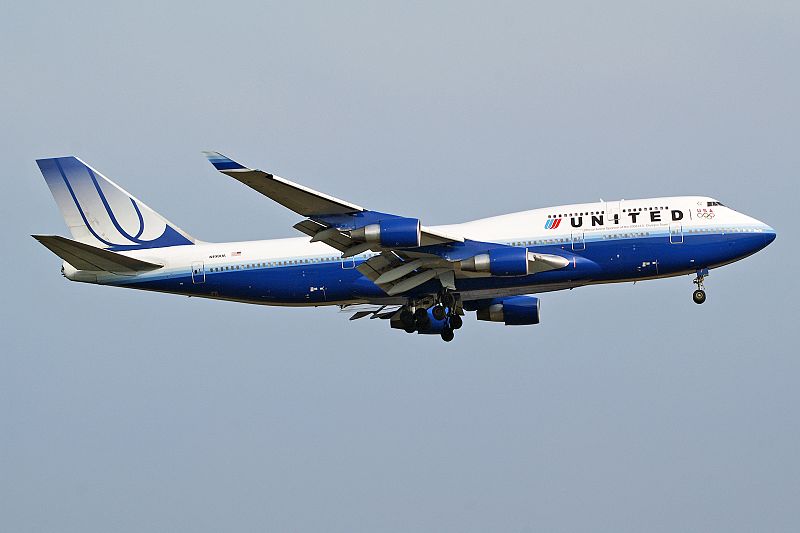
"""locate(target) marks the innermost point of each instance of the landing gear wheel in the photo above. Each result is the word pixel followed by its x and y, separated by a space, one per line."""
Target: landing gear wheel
pixel 456 322
pixel 410 329
pixel 407 318
pixel 439 312
pixel 447 334
pixel 699 296
pixel 421 319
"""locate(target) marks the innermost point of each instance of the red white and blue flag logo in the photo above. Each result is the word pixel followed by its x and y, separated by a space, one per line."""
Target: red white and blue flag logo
pixel 552 223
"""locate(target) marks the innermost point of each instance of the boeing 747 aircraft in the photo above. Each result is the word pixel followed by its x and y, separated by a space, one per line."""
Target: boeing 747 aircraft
pixel 419 278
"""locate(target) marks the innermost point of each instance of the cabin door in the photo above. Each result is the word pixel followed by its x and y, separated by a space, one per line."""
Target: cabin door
pixel 675 234
pixel 612 213
pixel 198 272
pixel 578 241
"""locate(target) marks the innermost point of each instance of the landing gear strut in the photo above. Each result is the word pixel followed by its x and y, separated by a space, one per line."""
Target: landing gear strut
pixel 446 305
pixel 699 295
pixel 447 309
pixel 448 299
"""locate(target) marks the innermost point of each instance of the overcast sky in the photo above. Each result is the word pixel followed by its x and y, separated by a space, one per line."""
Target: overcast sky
pixel 629 408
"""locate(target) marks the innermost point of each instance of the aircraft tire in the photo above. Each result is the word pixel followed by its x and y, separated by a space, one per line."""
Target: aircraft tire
pixel 421 319
pixel 407 318
pixel 699 296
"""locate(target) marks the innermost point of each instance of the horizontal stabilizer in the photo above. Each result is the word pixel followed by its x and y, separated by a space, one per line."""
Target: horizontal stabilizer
pixel 86 257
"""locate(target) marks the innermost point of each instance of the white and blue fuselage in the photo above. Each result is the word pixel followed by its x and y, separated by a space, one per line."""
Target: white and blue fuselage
pixel 569 246
pixel 642 242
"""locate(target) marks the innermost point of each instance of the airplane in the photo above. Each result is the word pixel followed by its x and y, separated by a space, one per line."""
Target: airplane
pixel 421 279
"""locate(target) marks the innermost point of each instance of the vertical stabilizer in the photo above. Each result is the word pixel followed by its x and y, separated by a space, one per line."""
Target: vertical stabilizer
pixel 100 213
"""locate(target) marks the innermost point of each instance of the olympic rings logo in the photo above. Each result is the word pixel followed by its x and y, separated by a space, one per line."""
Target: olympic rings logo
pixel 707 214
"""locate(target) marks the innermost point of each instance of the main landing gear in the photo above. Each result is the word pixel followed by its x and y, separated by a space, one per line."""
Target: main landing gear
pixel 412 321
pixel 445 308
pixel 699 295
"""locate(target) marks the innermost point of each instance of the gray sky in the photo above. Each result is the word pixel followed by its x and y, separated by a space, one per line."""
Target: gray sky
pixel 628 409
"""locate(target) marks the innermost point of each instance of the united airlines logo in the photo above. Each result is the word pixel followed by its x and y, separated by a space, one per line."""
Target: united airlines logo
pixel 638 215
pixel 111 216
pixel 552 223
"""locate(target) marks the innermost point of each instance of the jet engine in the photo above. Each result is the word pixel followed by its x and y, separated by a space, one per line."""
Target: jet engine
pixel 509 261
pixel 512 311
pixel 512 261
pixel 391 233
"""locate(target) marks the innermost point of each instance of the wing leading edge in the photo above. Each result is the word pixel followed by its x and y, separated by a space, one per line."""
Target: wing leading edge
pixel 302 200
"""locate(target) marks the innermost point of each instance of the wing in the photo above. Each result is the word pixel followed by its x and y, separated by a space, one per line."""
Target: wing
pixel 328 217
pixel 301 200
pixel 410 254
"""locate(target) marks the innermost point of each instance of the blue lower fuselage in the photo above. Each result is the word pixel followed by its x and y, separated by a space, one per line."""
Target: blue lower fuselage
pixel 606 260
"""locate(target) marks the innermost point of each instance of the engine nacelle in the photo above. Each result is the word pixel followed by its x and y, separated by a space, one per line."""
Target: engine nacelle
pixel 511 261
pixel 513 311
pixel 391 233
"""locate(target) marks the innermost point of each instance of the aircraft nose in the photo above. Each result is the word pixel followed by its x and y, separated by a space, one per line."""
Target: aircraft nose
pixel 769 235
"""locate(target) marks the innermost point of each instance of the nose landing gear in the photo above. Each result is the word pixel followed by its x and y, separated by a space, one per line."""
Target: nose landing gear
pixel 699 295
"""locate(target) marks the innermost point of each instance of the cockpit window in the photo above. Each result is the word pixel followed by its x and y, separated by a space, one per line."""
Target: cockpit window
pixel 711 204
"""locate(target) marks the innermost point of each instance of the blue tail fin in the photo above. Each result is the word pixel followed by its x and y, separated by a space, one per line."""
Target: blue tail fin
pixel 100 213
